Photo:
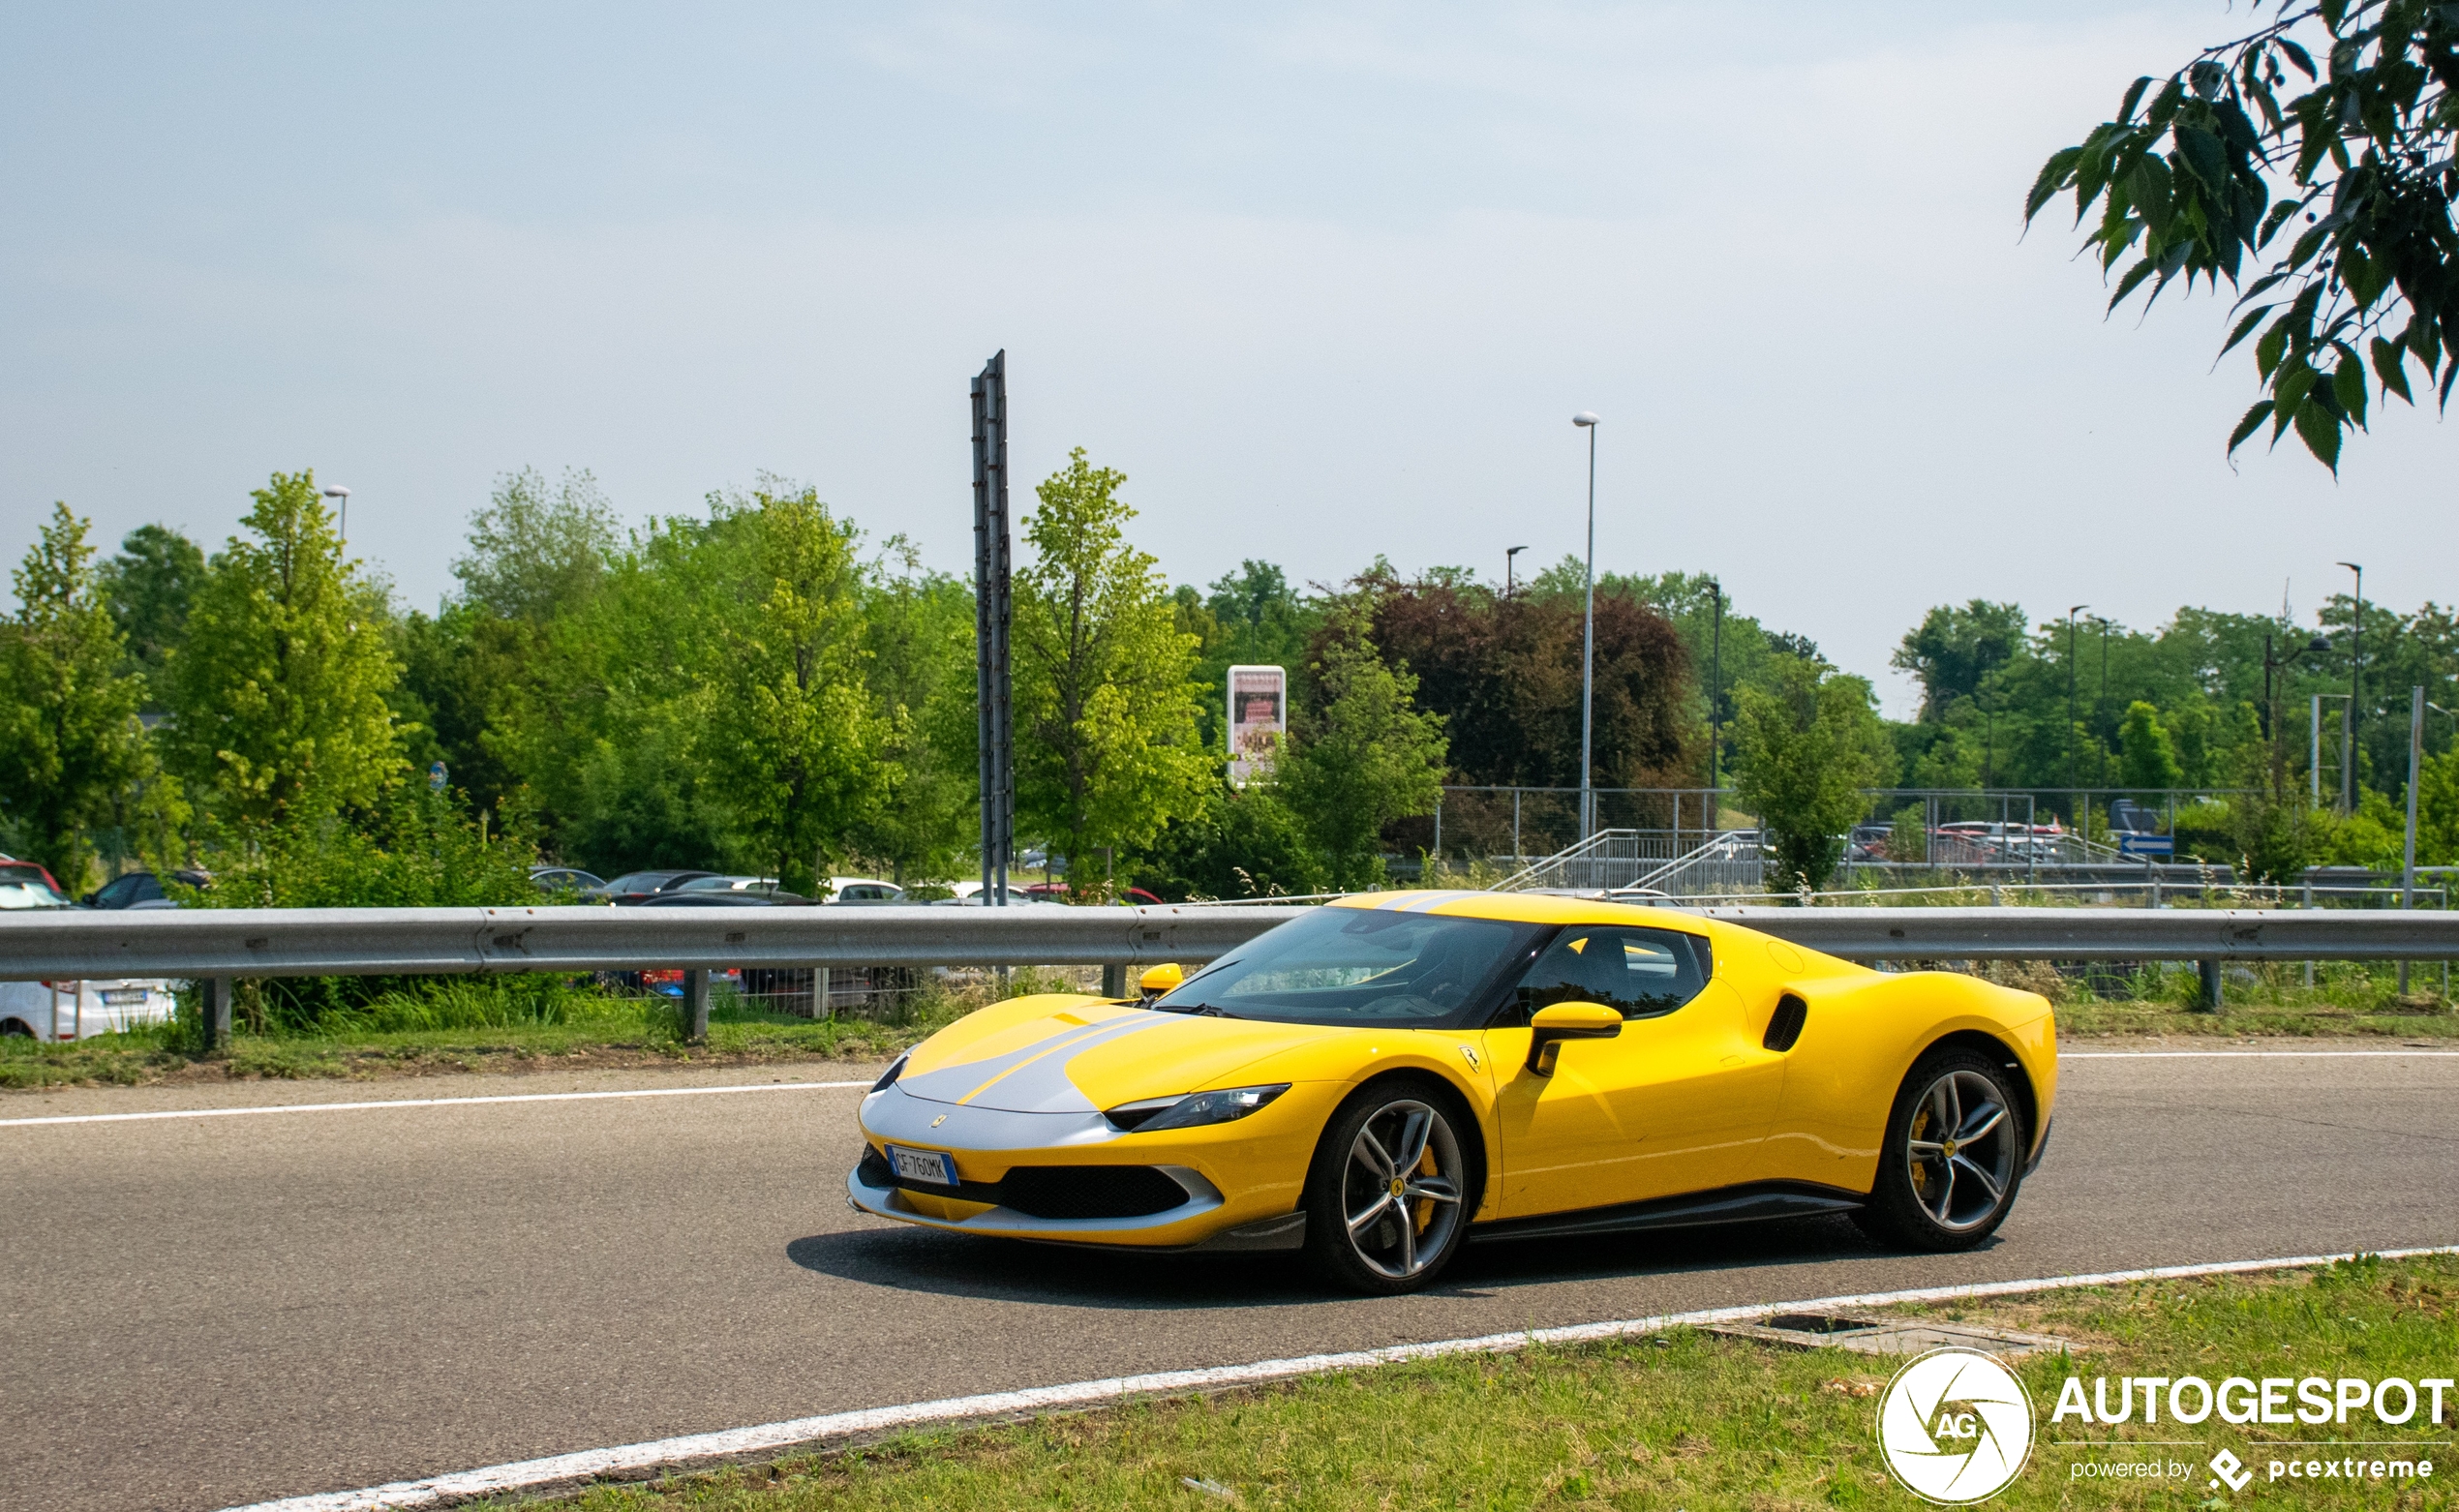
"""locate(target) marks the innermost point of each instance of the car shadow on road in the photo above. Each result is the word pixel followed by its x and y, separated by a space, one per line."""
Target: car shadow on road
pixel 914 1260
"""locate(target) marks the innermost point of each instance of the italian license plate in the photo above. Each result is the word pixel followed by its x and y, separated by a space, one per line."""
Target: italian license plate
pixel 123 997
pixel 922 1166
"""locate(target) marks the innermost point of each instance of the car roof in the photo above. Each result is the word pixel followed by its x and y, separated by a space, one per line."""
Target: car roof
pixel 1536 908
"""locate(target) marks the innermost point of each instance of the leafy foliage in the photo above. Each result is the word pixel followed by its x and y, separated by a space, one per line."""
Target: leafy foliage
pixel 1106 743
pixel 415 850
pixel 1362 757
pixel 1808 747
pixel 799 752
pixel 2363 166
pixel 535 551
pixel 2149 762
pixel 148 587
pixel 1504 675
pixel 69 736
pixel 281 687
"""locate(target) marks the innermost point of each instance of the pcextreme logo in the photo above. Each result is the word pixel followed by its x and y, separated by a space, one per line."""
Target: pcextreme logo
pixel 1954 1426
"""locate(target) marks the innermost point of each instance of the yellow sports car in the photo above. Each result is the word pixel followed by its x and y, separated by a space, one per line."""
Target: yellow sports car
pixel 1382 1079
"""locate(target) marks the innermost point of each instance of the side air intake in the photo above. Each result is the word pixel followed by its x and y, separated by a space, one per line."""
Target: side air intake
pixel 1784 1026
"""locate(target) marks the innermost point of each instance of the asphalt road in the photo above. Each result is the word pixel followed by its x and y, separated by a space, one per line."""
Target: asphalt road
pixel 198 1312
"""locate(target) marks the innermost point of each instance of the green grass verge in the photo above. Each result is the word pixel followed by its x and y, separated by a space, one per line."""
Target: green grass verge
pixel 1680 1420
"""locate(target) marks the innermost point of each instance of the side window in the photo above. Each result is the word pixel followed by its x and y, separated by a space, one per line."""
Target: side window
pixel 1643 972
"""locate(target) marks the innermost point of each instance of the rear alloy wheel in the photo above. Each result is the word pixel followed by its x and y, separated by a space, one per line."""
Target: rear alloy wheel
pixel 1387 1198
pixel 1953 1159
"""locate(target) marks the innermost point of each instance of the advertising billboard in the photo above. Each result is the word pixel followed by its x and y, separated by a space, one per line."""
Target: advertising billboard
pixel 1259 718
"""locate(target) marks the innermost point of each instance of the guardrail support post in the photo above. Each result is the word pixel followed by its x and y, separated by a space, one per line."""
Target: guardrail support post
pixel 213 1018
pixel 696 1005
pixel 820 1005
pixel 1113 981
pixel 2207 1000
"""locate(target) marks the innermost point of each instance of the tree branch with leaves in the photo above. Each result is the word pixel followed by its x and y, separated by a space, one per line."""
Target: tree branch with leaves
pixel 2230 154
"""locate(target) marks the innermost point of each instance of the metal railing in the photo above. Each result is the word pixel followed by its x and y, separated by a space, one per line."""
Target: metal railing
pixel 216 945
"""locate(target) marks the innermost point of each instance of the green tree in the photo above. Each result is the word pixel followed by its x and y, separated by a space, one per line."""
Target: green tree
pixel 1106 743
pixel 280 690
pixel 148 587
pixel 1953 650
pixel 534 550
pixel 918 631
pixel 800 752
pixel 69 735
pixel 1245 843
pixel 1807 749
pixel 2148 759
pixel 1361 756
pixel 2361 161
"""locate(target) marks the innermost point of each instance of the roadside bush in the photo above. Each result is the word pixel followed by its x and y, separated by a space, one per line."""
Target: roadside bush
pixel 419 850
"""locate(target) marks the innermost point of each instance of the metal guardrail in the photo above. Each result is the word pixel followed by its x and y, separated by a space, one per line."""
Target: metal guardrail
pixel 2132 934
pixel 225 943
pixel 207 942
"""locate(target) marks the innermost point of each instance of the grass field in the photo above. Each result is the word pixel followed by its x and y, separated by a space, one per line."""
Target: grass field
pixel 1680 1420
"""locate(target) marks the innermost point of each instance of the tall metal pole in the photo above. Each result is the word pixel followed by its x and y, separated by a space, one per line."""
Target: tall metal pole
pixel 992 611
pixel 1715 699
pixel 2355 664
pixel 1588 641
pixel 2314 753
pixel 2407 854
pixel 2070 703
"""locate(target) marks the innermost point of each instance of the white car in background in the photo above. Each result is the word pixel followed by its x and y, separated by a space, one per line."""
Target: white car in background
pixel 70 1010
pixel 62 1010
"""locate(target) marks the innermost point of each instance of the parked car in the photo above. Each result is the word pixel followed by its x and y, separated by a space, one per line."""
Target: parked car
pixel 144 890
pixel 632 887
pixel 718 897
pixel 551 880
pixel 82 1009
pixel 968 894
pixel 864 890
pixel 10 867
pixel 25 885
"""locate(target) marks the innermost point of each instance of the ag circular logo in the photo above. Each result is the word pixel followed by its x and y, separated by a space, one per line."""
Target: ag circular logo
pixel 1954 1426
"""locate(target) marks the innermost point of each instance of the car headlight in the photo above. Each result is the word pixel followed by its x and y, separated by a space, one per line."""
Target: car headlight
pixel 1192 1110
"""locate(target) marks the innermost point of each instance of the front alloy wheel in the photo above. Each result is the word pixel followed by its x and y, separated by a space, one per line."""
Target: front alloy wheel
pixel 1954 1156
pixel 1387 1201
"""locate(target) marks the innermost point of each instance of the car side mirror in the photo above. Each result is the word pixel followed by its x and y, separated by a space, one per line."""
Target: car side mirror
pixel 1161 978
pixel 1567 1021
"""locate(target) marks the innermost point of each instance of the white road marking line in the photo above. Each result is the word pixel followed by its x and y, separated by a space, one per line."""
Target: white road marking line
pixel 635 1459
pixel 2254 1055
pixel 823 1086
pixel 338 1107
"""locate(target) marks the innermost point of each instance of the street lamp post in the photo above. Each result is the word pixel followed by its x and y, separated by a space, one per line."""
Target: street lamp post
pixel 2100 705
pixel 1507 554
pixel 344 494
pixel 1586 420
pixel 2355 662
pixel 1716 695
pixel 2070 612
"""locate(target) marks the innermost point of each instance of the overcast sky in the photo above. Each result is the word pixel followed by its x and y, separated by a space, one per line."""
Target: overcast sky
pixel 1325 281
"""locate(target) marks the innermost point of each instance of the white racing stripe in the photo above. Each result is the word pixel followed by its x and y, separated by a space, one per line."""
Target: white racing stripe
pixel 633 1460
pixel 343 1108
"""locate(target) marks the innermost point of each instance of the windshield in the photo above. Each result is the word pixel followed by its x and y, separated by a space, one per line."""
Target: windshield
pixel 1362 966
